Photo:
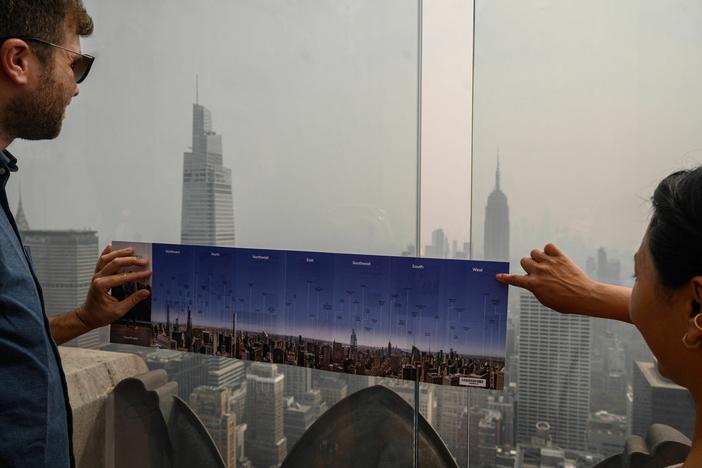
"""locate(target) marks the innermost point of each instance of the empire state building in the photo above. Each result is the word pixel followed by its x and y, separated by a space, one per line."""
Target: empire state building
pixel 208 212
pixel 497 223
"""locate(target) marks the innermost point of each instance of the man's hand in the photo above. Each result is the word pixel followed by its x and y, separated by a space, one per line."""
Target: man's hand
pixel 100 307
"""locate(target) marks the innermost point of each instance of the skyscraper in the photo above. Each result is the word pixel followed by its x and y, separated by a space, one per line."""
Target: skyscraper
pixel 657 400
pixel 439 247
pixel 452 420
pixel 188 370
pixel 484 436
pixel 208 212
pixel 608 271
pixel 211 404
pixel 234 351
pixel 168 319
pixel 298 381
pixel 427 397
pixel 314 400
pixel 505 404
pixel 554 374
pixel 265 441
pixel 64 262
pixel 496 238
pixel 237 402
pixel 606 433
pixel 225 372
pixel 298 418
pixel 189 332
pixel 20 218
pixel 354 344
pixel 332 387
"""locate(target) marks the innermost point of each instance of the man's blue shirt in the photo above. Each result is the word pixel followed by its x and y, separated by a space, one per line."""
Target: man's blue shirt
pixel 35 419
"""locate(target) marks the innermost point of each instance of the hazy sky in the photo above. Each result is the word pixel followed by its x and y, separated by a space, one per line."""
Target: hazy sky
pixel 316 102
pixel 589 102
pixel 446 118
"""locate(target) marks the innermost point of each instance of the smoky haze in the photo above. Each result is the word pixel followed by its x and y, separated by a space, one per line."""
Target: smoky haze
pixel 316 102
pixel 590 104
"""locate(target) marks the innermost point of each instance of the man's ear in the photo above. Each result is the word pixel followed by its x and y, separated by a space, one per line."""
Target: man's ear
pixel 14 61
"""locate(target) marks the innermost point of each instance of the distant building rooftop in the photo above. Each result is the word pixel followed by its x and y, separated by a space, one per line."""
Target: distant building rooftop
pixel 654 378
pixel 62 232
pixel 165 355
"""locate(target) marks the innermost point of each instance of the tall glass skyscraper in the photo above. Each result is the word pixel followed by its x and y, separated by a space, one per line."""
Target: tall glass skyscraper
pixel 496 238
pixel 554 374
pixel 266 444
pixel 208 211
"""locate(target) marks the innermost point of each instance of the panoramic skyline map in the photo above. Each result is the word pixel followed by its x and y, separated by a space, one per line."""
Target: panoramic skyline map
pixel 343 312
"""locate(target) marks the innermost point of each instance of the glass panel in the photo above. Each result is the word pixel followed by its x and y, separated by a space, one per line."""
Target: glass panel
pixel 447 53
pixel 309 106
pixel 587 105
pixel 316 103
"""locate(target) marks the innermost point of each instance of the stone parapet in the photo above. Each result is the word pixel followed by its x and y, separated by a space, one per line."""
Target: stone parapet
pixel 91 376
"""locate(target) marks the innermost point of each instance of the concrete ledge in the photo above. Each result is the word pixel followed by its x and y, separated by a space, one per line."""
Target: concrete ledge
pixel 91 375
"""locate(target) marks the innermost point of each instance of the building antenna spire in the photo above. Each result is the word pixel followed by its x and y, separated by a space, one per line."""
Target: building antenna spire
pixel 497 173
pixel 20 217
pixel 19 202
pixel 197 89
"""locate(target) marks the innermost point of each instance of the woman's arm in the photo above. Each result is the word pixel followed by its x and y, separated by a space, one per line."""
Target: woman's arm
pixel 559 284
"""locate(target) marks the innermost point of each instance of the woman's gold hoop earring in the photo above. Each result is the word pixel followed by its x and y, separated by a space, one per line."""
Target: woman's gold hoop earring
pixel 698 322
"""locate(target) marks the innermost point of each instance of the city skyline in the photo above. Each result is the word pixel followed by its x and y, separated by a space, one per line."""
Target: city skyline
pixel 164 123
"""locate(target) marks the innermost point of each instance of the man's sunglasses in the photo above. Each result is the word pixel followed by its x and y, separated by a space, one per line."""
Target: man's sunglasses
pixel 81 66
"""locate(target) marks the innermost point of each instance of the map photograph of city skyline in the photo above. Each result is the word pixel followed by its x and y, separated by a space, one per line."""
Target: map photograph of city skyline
pixel 363 314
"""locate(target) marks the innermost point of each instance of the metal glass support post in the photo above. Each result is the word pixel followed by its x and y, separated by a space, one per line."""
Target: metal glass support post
pixel 468 403
pixel 416 421
pixel 420 28
pixel 471 254
pixel 418 227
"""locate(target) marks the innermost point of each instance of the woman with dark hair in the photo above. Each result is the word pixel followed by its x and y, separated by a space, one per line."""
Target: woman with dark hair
pixel 664 303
